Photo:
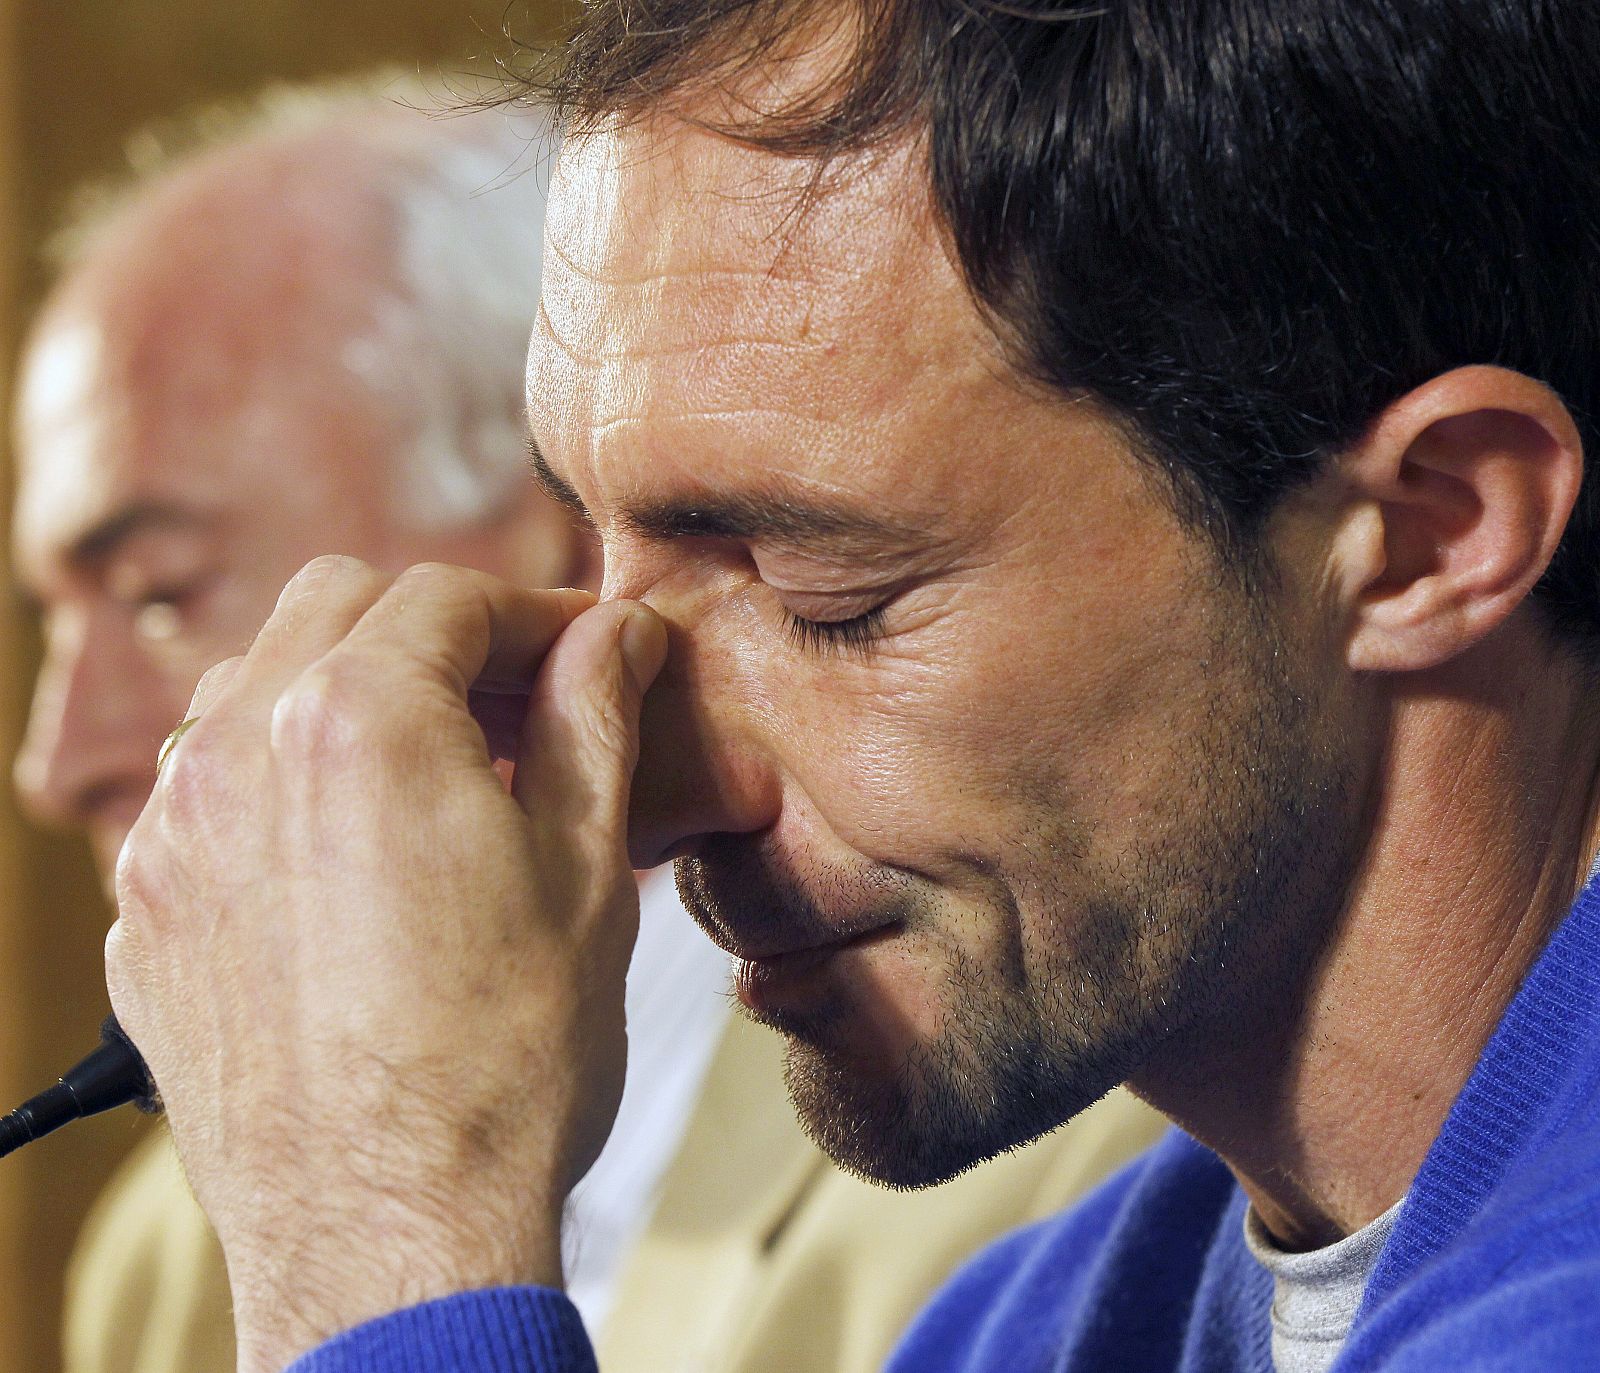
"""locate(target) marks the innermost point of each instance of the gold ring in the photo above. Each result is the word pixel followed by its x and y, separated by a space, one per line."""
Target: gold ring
pixel 171 742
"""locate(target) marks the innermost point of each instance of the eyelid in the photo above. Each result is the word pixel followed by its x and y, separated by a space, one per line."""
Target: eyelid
pixel 856 634
pixel 162 610
pixel 556 488
pixel 831 606
pixel 136 582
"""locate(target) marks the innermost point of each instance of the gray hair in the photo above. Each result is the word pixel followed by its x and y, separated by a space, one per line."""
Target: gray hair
pixel 447 347
pixel 445 316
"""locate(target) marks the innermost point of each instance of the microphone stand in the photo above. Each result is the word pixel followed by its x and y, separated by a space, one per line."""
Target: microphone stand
pixel 113 1075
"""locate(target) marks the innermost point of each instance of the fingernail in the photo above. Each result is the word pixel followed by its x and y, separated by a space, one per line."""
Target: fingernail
pixel 574 600
pixel 643 642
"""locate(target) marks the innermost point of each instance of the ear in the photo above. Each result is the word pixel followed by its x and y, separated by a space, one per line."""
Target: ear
pixel 1457 497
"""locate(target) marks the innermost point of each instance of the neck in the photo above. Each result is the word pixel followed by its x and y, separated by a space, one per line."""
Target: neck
pixel 1481 828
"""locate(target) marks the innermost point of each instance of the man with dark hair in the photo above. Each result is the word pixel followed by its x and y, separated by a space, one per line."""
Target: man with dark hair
pixel 1101 587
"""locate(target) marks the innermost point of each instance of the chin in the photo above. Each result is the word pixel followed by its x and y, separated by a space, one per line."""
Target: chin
pixel 923 1113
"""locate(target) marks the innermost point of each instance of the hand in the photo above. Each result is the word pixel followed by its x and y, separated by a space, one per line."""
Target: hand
pixel 383 998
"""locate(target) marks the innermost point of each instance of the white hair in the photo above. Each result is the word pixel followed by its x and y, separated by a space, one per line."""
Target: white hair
pixel 446 348
pixel 447 296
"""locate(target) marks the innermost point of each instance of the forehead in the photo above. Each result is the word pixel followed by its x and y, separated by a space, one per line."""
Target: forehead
pixel 71 470
pixel 691 284
pixel 674 216
pixel 56 383
pixel 130 396
pixel 103 423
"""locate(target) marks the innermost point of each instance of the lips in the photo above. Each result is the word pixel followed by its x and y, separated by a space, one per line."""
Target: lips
pixel 777 950
pixel 788 977
pixel 772 924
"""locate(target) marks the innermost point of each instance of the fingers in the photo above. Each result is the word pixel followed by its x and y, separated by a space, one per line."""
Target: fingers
pixel 580 740
pixel 499 716
pixel 315 611
pixel 450 625
pixel 212 685
pixel 444 657
pixel 465 628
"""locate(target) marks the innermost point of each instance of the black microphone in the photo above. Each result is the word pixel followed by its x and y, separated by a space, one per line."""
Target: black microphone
pixel 113 1075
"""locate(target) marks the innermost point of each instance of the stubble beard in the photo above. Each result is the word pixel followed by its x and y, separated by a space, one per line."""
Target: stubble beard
pixel 1225 908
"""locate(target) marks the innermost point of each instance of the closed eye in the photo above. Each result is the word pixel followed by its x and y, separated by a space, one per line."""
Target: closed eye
pixel 855 635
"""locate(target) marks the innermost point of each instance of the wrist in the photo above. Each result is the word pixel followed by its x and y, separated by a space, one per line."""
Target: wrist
pixel 292 1291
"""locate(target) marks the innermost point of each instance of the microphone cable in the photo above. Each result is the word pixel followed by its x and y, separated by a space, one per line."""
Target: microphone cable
pixel 113 1075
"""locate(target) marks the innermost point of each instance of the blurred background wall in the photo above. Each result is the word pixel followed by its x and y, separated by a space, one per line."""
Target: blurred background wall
pixel 76 78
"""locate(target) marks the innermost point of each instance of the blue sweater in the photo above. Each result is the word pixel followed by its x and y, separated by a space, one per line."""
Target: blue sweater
pixel 1494 1263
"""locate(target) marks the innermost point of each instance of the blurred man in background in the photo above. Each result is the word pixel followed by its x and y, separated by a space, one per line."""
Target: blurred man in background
pixel 307 338
pixel 268 351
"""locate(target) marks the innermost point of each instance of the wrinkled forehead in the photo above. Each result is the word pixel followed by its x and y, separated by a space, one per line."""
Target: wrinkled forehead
pixel 701 224
pixel 687 276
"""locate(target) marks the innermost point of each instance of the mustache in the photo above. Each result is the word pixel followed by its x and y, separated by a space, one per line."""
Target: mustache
pixel 744 897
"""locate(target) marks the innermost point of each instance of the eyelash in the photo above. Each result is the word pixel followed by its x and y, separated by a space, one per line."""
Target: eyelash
pixel 856 635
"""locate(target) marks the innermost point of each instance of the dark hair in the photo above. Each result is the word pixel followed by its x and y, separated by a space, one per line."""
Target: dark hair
pixel 1245 226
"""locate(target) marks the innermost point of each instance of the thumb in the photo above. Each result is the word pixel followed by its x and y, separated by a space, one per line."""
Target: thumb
pixel 580 737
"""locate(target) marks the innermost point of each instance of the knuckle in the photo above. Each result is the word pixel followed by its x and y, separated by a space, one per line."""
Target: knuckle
pixel 142 884
pixel 334 577
pixel 320 714
pixel 119 963
pixel 199 782
pixel 457 591
pixel 459 608
pixel 435 578
pixel 328 567
pixel 121 953
pixel 132 885
pixel 214 677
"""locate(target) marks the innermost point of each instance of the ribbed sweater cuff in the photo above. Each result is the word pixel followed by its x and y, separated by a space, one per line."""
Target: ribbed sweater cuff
pixel 495 1330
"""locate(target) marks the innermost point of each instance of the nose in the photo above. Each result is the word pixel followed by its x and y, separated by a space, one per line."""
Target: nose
pixel 707 762
pixel 98 714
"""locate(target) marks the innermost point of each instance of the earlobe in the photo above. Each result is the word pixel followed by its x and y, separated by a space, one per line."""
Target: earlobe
pixel 1472 477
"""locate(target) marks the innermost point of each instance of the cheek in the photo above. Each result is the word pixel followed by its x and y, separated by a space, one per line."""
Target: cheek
pixel 903 760
pixel 1004 727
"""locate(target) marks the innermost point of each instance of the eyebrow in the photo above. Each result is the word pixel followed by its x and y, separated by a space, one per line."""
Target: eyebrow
pixel 557 488
pixel 101 540
pixel 741 515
